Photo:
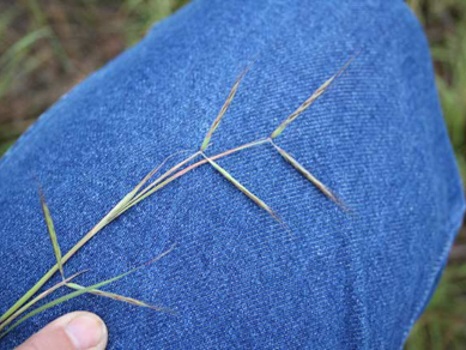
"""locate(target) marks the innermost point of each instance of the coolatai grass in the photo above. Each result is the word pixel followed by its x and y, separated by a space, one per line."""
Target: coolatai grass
pixel 41 58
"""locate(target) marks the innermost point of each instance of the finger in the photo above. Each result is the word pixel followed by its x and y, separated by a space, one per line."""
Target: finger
pixel 74 331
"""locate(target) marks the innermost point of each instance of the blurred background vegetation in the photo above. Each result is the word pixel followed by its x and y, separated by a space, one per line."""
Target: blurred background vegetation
pixel 47 46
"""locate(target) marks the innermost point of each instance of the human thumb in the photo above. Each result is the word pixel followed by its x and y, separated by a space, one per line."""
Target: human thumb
pixel 74 331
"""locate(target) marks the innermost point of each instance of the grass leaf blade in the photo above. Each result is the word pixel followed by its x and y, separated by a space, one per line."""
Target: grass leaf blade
pixel 52 233
pixel 223 110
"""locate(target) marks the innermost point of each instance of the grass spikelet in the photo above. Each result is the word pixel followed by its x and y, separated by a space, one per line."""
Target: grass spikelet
pixel 82 291
pixel 223 110
pixel 52 233
pixel 119 297
pixel 306 104
pixel 145 189
pixel 307 174
pixel 243 189
pixel 62 300
pixel 39 298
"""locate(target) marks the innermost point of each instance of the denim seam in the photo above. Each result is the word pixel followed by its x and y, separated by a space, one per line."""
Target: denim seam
pixel 453 227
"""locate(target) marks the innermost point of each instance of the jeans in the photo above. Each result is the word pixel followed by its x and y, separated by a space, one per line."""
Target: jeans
pixel 238 279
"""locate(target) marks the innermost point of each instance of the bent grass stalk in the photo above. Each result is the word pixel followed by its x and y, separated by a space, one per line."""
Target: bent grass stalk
pixel 56 302
pixel 80 290
pixel 66 298
pixel 38 298
pixel 139 193
pixel 189 168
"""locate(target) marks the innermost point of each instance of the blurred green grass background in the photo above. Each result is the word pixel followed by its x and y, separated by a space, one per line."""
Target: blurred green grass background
pixel 47 46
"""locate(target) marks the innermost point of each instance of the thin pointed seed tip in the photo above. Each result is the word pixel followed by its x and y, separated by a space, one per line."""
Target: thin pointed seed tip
pixel 160 256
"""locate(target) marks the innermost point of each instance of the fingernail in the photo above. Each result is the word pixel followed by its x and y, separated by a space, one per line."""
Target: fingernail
pixel 86 332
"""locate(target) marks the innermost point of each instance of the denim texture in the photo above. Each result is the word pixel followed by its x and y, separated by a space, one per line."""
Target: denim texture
pixel 236 278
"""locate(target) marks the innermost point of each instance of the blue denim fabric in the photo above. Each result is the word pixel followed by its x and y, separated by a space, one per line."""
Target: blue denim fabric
pixel 237 279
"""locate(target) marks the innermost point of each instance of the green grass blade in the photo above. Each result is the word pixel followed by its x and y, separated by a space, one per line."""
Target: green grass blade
pixel 52 233
pixel 37 299
pixel 62 300
pixel 307 174
pixel 223 110
pixel 306 104
pixel 119 297
pixel 81 291
pixel 243 189
pixel 17 49
pixel 167 179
